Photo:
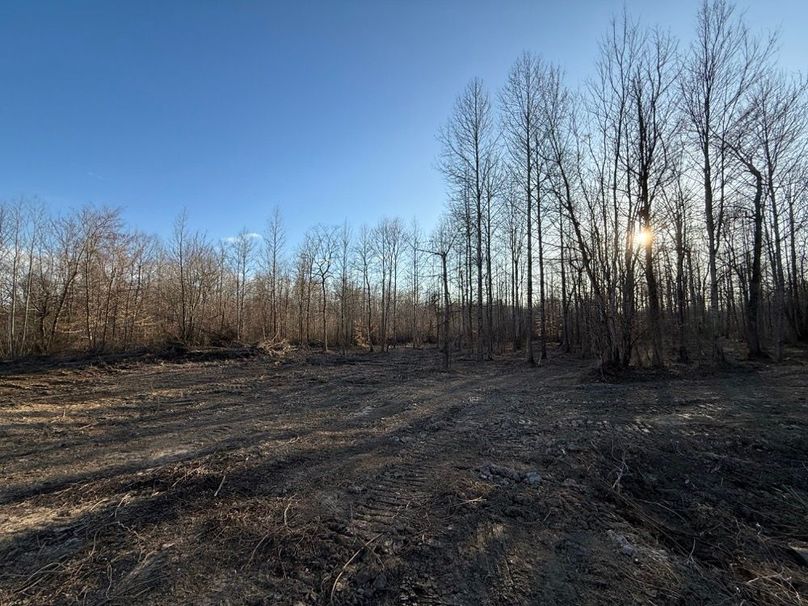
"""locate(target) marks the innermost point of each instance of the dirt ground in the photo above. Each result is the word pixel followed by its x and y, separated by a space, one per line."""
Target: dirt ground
pixel 377 479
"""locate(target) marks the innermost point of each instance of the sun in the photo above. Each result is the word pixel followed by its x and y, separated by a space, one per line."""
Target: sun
pixel 643 237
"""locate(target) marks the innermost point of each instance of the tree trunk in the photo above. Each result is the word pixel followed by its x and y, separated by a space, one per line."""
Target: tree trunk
pixel 446 352
pixel 753 305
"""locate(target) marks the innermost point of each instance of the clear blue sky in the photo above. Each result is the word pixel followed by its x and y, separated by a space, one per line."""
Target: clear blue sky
pixel 327 109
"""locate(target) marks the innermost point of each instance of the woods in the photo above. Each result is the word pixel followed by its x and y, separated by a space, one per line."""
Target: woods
pixel 657 213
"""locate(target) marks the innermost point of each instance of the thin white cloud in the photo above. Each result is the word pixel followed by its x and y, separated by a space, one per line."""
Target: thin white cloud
pixel 251 235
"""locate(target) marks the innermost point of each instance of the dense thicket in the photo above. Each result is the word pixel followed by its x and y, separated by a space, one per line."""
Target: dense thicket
pixel 657 213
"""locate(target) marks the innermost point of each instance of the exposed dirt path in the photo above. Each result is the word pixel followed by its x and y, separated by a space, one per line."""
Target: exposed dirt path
pixel 379 480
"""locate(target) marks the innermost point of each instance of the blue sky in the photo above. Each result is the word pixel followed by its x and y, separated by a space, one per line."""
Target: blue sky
pixel 327 109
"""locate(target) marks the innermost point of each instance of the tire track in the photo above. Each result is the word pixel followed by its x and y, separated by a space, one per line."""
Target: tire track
pixel 389 515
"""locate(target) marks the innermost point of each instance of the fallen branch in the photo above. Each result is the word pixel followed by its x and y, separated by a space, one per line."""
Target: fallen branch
pixel 216 494
pixel 623 468
pixel 252 555
pixel 348 563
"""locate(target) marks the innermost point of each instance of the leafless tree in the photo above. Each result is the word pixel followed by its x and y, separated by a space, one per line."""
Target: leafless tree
pixel 325 243
pixel 344 268
pixel 274 242
pixel 724 63
pixel 467 160
pixel 441 242
pixel 364 257
pixel 520 101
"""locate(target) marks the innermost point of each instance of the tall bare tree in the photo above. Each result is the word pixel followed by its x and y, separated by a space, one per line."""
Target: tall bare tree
pixel 274 241
pixel 520 100
pixel 724 63
pixel 467 160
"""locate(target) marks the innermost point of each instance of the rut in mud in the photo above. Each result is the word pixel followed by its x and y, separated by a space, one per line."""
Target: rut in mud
pixel 377 479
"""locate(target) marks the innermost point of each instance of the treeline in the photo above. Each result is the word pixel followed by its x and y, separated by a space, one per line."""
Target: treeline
pixel 83 282
pixel 657 213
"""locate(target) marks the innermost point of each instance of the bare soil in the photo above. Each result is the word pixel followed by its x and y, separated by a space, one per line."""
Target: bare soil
pixel 377 479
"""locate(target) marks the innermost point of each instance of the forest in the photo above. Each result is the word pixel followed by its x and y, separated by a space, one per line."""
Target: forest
pixel 656 214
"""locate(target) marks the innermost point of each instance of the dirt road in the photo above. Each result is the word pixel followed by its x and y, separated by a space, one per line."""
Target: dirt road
pixel 376 479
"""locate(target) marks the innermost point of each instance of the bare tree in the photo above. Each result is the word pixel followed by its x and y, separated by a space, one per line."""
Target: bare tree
pixel 345 267
pixel 769 143
pixel 520 100
pixel 414 240
pixel 441 242
pixel 467 160
pixel 724 62
pixel 651 85
pixel 242 248
pixel 364 256
pixel 274 241
pixel 325 247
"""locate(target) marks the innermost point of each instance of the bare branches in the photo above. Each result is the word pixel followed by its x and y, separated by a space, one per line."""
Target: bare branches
pixel 659 207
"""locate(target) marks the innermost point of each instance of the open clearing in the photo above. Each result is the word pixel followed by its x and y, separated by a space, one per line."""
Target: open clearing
pixel 376 479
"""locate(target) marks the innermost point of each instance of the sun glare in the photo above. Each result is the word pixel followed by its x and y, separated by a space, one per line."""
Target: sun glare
pixel 643 237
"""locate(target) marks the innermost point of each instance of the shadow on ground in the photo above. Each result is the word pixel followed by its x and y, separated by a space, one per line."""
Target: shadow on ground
pixel 378 480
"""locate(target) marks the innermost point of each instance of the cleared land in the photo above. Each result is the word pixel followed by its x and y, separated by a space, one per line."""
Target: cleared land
pixel 376 479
